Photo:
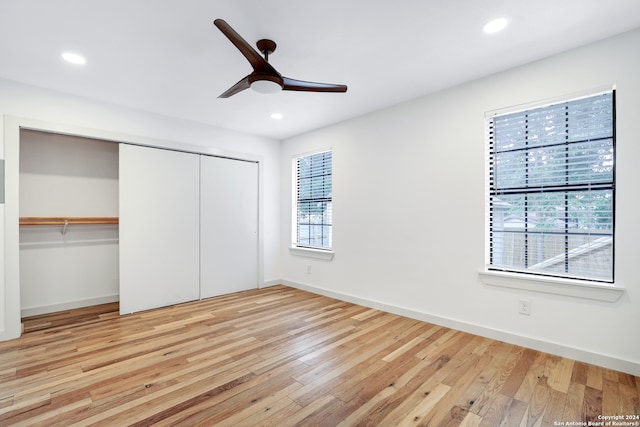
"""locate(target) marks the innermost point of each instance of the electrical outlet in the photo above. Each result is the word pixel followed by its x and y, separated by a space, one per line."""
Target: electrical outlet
pixel 308 269
pixel 524 307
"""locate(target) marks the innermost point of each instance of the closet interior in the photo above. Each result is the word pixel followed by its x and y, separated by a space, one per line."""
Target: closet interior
pixel 68 222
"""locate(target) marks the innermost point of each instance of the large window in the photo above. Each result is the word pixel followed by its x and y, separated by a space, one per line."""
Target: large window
pixel 551 189
pixel 313 200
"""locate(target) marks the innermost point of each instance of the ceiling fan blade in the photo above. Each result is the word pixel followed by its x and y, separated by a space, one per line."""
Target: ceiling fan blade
pixel 238 87
pixel 293 84
pixel 257 62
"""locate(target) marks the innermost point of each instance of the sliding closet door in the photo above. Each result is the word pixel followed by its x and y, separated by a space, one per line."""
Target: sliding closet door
pixel 229 226
pixel 159 228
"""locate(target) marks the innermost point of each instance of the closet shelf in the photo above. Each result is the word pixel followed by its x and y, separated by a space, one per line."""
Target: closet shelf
pixel 67 220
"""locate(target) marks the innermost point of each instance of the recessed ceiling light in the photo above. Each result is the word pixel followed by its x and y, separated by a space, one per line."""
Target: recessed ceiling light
pixel 277 116
pixel 495 25
pixel 74 58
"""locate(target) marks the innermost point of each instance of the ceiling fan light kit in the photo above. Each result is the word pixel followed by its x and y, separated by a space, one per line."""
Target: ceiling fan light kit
pixel 266 86
pixel 265 83
pixel 265 78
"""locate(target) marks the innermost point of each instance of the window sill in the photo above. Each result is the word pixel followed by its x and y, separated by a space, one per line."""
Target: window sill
pixel 312 253
pixel 552 285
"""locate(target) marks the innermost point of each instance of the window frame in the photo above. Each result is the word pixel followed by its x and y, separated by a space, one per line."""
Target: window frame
pixel 572 285
pixel 297 248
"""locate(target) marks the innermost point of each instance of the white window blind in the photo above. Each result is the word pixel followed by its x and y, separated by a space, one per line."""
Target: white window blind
pixel 314 200
pixel 551 189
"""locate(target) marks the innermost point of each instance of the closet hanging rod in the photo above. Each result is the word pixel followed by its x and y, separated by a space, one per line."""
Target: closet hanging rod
pixel 67 220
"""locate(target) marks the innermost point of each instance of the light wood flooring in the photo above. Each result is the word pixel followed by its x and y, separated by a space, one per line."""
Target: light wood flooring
pixel 281 356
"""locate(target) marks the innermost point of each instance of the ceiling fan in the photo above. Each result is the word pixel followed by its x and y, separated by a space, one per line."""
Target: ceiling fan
pixel 264 77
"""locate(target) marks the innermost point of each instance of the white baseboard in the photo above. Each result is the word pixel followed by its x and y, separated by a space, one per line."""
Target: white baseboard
pixel 270 283
pixel 35 311
pixel 500 335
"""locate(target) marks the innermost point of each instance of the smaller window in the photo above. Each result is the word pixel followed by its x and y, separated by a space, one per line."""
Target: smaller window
pixel 313 201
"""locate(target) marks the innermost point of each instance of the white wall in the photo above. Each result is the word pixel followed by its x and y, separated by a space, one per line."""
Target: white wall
pixel 66 176
pixel 409 210
pixel 60 111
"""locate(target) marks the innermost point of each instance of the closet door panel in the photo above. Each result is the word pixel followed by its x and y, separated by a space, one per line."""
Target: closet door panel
pixel 229 226
pixel 159 228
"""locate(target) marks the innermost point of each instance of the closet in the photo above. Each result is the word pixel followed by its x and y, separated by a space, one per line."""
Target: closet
pixel 148 227
pixel 68 222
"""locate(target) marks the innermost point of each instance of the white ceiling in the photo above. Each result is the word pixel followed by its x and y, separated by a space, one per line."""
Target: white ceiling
pixel 167 57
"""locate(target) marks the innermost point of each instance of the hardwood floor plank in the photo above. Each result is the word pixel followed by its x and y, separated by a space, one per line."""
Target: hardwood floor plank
pixel 629 399
pixel 474 368
pixel 403 349
pixel 560 372
pixel 449 348
pixel 539 401
pixel 457 416
pixel 555 408
pixel 86 316
pixel 471 420
pixel 368 406
pixel 218 407
pixel 471 391
pixel 611 401
pixel 14 408
pixel 592 404
pixel 145 406
pixel 579 373
pixel 496 372
pixel 473 347
pixel 257 405
pixel 407 402
pixel 366 314
pixel 371 377
pixel 276 412
pixel 319 351
pixel 322 384
pixel 515 414
pixel 222 402
pixel 314 414
pixel 573 409
pixel 273 359
pixel 417 414
pixel 594 377
pixel 395 393
pixel 93 378
pixel 536 371
pixel 283 416
pixel 497 411
pixel 48 418
pixel 282 357
pixel 518 373
pixel 415 385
